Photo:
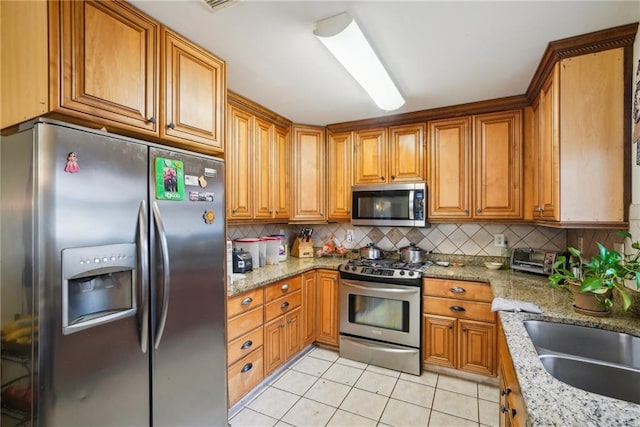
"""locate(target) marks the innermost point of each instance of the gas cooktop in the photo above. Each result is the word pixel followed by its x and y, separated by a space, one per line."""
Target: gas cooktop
pixel 383 268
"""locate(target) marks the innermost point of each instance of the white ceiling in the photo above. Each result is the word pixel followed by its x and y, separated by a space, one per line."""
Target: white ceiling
pixel 439 53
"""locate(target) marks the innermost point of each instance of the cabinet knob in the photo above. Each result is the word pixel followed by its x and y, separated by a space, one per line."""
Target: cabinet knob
pixel 393 177
pixel 246 345
pixel 382 178
pixel 349 211
pixel 276 212
pixel 450 326
pixel 247 367
pixel 505 391
pixel 466 211
pixel 234 210
pixel 289 321
pixel 247 301
pixel 152 120
pixel 270 211
pixel 504 409
pixel 321 213
pixel 285 287
pixel 284 305
pixel 171 125
pixel 478 210
pixel 282 325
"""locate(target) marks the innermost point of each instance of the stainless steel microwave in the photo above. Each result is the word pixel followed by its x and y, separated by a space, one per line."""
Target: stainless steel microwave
pixel 402 205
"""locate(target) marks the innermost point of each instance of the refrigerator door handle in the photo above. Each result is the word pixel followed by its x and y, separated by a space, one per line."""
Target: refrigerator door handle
pixel 164 249
pixel 143 248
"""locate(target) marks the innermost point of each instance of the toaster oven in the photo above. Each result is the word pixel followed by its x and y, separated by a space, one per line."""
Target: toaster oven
pixel 539 261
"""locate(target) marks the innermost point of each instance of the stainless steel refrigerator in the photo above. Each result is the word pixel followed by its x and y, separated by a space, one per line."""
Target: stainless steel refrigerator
pixel 112 281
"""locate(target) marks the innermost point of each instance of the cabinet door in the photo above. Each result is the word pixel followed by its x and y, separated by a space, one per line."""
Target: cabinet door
pixel 194 94
pixel 439 340
pixel 293 333
pixel 263 185
pixel 281 171
pixel 498 165
pixel 449 168
pixel 406 153
pixel 548 160
pixel 109 65
pixel 308 308
pixel 274 351
pixel 327 312
pixel 308 173
pixel 476 346
pixel 339 149
pixel 239 165
pixel 370 157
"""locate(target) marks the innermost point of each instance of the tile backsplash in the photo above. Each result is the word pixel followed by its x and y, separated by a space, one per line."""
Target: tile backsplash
pixel 474 239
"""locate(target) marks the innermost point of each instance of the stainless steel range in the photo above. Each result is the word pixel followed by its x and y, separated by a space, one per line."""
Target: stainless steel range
pixel 380 306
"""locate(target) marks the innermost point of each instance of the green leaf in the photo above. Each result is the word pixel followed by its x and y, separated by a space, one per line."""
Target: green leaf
pixel 590 284
pixel 626 300
pixel 573 251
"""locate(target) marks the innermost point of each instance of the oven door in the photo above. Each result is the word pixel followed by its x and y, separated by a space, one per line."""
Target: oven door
pixel 378 311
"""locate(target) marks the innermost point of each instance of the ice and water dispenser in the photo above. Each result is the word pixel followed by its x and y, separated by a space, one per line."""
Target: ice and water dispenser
pixel 98 285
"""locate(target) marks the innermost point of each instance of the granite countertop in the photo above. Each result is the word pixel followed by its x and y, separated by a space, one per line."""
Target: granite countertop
pixel 549 402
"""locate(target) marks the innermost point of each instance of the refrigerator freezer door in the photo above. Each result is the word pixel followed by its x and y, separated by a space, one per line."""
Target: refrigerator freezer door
pixel 188 300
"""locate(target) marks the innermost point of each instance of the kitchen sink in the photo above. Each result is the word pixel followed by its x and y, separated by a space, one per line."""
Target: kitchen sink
pixel 614 381
pixel 582 341
pixel 595 360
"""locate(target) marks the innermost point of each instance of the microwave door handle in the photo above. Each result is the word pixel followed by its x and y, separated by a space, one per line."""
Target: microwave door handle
pixel 164 250
pixel 411 201
pixel 143 255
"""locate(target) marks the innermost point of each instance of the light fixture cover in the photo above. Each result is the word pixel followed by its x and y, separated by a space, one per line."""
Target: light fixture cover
pixel 344 39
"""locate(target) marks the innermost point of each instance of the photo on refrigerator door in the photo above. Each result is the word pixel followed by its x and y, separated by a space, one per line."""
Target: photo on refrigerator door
pixel 169 179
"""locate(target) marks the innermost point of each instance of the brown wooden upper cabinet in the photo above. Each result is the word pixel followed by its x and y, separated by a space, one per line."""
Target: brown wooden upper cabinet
pixel 475 167
pixel 388 155
pixel 339 175
pixel 99 62
pixel 578 139
pixel 258 158
pixel 308 174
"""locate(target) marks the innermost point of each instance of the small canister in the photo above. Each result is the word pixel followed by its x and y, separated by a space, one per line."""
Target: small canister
pixel 283 250
pixel 272 249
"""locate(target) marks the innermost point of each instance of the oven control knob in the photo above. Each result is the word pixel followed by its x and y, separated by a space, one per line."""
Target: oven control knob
pixel 410 273
pixel 402 272
pixel 346 268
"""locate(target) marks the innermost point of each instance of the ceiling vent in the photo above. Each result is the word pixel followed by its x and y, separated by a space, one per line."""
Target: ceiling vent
pixel 219 4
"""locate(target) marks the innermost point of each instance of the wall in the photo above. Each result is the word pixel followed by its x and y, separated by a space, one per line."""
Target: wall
pixel 460 239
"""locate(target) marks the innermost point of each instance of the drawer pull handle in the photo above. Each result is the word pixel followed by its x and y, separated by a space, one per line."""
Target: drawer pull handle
pixel 247 301
pixel 505 391
pixel 504 409
pixel 247 367
pixel 246 345
pixel 285 287
pixel 457 290
pixel 457 308
pixel 284 305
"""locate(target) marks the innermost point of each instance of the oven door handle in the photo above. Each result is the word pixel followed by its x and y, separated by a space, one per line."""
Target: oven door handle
pixel 391 290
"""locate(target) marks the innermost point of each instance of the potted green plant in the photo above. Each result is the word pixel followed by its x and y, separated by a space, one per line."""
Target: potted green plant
pixel 594 281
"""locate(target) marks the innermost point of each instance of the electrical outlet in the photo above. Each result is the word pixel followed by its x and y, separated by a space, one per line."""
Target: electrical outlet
pixel 281 231
pixel 498 240
pixel 349 236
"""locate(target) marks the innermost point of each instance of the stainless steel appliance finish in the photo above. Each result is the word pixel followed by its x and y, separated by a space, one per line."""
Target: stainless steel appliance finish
pixel 400 205
pixel 126 289
pixel 371 251
pixel 537 261
pixel 380 313
pixel 411 254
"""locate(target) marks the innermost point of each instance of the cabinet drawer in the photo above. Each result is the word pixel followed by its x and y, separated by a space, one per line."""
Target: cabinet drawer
pixel 459 289
pixel 458 308
pixel 244 375
pixel 244 323
pixel 244 345
pixel 282 305
pixel 281 288
pixel 244 302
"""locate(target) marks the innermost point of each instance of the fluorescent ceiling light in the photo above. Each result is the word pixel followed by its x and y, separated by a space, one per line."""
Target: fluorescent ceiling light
pixel 342 36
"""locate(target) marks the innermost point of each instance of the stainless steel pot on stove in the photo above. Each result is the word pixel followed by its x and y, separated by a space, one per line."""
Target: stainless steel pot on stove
pixel 411 254
pixel 371 251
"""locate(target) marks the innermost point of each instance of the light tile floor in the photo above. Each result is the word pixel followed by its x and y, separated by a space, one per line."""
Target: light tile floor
pixel 323 389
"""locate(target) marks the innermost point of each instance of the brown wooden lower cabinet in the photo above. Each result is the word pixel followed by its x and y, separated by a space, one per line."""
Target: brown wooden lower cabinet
pixel 308 323
pixel 458 326
pixel 512 409
pixel 281 340
pixel 244 375
pixel 327 302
